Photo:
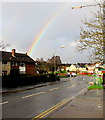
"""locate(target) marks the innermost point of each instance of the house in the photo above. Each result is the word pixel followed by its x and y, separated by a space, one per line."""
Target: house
pixel 90 68
pixel 72 68
pixel 65 66
pixel 13 60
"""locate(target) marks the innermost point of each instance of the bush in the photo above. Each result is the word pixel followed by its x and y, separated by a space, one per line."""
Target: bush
pixel 22 80
pixel 14 72
pixel 64 71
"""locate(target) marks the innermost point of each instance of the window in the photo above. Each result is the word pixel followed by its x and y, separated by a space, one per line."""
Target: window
pixel 4 62
pixel 4 73
pixel 22 64
pixel 12 63
pixel 16 64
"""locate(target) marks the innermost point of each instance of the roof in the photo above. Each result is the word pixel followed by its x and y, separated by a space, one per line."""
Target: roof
pixel 19 57
pixel 77 66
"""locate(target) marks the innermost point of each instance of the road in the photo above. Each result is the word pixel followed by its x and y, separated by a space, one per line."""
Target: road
pixel 30 103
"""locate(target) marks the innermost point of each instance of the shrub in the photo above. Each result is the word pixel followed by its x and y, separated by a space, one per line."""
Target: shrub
pixel 14 72
pixel 22 80
pixel 64 71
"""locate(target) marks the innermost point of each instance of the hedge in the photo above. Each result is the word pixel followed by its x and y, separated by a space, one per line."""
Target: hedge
pixel 22 80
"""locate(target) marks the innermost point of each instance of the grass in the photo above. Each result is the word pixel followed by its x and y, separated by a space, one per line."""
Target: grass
pixel 95 87
pixel 63 76
pixel 91 75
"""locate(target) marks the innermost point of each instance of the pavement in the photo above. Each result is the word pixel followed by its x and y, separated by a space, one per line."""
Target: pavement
pixel 87 105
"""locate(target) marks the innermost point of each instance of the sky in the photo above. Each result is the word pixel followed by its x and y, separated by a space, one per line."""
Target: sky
pixel 40 28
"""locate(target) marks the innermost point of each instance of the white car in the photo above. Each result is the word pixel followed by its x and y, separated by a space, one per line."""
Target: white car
pixel 73 74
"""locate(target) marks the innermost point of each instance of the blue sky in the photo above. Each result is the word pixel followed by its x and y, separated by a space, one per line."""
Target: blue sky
pixel 22 21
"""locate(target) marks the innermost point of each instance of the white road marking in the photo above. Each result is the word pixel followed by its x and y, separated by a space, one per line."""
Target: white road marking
pixel 4 103
pixel 54 89
pixel 39 93
pixel 28 96
pixel 33 94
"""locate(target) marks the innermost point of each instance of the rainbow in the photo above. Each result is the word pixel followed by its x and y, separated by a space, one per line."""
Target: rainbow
pixel 45 29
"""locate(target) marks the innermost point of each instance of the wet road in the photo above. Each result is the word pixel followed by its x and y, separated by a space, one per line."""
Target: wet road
pixel 30 103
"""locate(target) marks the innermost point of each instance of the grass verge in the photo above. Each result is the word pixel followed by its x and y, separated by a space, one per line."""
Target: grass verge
pixel 95 87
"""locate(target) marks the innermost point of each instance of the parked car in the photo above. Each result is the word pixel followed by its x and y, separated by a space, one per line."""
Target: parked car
pixel 68 74
pixel 73 74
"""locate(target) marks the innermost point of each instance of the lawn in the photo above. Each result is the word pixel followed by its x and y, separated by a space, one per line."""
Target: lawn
pixel 95 87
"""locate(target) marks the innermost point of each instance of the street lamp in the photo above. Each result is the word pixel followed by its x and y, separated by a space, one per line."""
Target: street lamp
pixel 84 6
pixel 103 31
pixel 55 59
pixel 61 46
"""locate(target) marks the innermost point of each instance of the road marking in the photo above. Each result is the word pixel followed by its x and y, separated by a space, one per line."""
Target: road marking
pixel 28 96
pixel 39 93
pixel 33 94
pixel 82 91
pixel 47 110
pixel 43 114
pixel 4 103
pixel 54 89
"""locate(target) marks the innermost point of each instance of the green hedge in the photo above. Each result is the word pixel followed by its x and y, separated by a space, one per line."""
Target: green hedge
pixel 22 80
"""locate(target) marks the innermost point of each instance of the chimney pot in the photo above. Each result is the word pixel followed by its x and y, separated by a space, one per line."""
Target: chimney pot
pixel 13 52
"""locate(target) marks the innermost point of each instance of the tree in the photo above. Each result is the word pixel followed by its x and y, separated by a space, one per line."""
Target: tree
pixel 91 37
pixel 41 66
pixel 55 62
pixel 3 45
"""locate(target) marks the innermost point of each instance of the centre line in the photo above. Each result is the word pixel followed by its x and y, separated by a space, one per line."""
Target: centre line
pixel 43 114
pixel 33 94
pixel 4 103
pixel 28 96
pixel 39 93
pixel 54 89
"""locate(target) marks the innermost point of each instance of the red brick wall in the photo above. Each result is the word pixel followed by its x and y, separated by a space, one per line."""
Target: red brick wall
pixel 63 74
pixel 30 68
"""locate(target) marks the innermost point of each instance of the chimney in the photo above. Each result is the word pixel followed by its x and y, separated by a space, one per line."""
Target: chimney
pixel 13 52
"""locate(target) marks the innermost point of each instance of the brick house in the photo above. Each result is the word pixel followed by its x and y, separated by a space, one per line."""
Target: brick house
pixel 13 60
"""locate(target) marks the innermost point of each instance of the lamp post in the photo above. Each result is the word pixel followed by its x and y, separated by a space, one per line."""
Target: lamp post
pixel 55 59
pixel 84 6
pixel 103 31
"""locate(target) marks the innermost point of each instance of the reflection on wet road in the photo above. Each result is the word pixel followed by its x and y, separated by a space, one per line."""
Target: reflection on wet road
pixel 28 104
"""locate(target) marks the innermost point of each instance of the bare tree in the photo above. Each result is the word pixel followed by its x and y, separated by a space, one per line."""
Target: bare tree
pixel 91 37
pixel 3 45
